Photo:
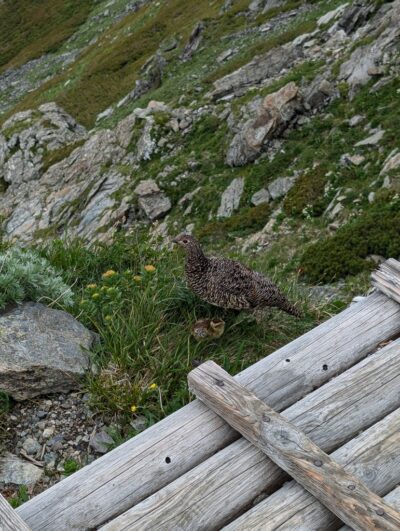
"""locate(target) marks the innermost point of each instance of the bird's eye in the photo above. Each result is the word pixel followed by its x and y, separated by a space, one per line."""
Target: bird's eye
pixel 185 240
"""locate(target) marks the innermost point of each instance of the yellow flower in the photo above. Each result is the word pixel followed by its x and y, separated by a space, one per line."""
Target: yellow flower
pixel 153 386
pixel 91 286
pixel 137 278
pixel 133 408
pixel 149 268
pixel 108 318
pixel 109 273
pixel 95 295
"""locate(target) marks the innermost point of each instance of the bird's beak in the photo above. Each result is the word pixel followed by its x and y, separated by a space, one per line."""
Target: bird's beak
pixel 175 240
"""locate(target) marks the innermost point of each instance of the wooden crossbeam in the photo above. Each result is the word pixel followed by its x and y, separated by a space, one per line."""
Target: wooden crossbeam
pixel 341 492
pixel 387 279
pixel 9 519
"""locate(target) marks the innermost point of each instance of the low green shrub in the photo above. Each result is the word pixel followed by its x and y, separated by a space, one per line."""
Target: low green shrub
pixel 306 194
pixel 374 232
pixel 25 275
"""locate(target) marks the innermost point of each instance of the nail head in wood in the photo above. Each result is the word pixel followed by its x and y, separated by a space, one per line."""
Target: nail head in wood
pixel 318 462
pixel 220 383
pixel 380 512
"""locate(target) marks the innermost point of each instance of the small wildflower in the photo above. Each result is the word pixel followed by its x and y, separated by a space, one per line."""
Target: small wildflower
pixel 133 408
pixel 91 286
pixel 95 295
pixel 149 268
pixel 153 386
pixel 108 318
pixel 137 278
pixel 104 288
pixel 109 273
pixel 83 302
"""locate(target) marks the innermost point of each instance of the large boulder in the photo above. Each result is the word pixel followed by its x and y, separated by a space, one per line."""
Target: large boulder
pixel 42 351
pixel 273 116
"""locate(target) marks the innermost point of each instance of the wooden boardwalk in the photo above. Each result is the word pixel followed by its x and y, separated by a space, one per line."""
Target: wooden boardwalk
pixel 337 388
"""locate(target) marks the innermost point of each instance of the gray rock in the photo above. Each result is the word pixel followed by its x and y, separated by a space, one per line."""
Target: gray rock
pixel 101 441
pixel 194 41
pixel 331 15
pixel 392 162
pixel 41 351
pixel 355 120
pixel 152 201
pixel 354 160
pixel 17 471
pixel 261 68
pixel 140 423
pixel 231 198
pixel 371 197
pixel 372 140
pixel 281 186
pixel 260 197
pixel 273 116
pixel 31 446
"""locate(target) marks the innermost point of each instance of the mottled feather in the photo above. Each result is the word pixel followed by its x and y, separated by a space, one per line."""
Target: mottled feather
pixel 228 283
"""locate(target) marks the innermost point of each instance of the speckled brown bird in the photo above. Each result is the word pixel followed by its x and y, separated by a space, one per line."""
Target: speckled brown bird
pixel 228 283
pixel 208 328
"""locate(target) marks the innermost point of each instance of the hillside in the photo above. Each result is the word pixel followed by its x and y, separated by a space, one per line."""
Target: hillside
pixel 266 128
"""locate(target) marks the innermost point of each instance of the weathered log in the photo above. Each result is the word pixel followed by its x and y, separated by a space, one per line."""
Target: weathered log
pixel 139 467
pixel 211 494
pixel 9 519
pixel 387 279
pixel 374 456
pixel 393 498
pixel 290 448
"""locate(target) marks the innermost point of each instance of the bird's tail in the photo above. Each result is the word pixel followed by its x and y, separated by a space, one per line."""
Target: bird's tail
pixel 289 308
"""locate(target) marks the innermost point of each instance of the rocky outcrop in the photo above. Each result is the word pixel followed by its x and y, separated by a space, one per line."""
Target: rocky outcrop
pixel 273 116
pixel 371 59
pixel 41 351
pixel 194 41
pixel 29 136
pixel 261 68
pixel 152 201
pixel 231 198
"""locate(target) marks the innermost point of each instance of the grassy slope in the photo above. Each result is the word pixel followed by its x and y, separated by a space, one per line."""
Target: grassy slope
pixel 38 27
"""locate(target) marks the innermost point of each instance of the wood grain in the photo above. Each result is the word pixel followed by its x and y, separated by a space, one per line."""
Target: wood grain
pixel 290 448
pixel 393 498
pixel 211 494
pixel 387 279
pixel 9 519
pixel 373 456
pixel 138 468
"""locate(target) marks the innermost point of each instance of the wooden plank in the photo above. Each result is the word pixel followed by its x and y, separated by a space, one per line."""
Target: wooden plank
pixel 9 519
pixel 290 448
pixel 193 434
pixel 211 494
pixel 393 498
pixel 387 279
pixel 374 456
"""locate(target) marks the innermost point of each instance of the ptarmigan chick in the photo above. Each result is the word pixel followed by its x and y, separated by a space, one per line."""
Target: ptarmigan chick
pixel 227 283
pixel 205 328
